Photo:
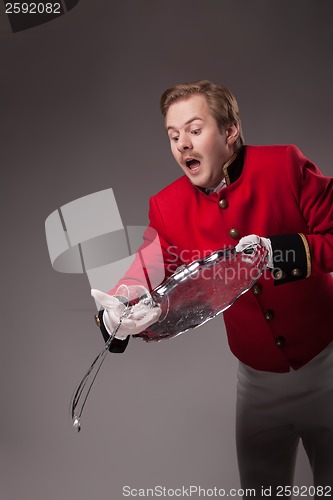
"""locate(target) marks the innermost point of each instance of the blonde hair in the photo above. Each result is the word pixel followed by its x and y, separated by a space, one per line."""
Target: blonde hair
pixel 221 101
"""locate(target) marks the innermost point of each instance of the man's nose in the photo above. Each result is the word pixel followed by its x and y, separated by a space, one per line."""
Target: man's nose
pixel 184 143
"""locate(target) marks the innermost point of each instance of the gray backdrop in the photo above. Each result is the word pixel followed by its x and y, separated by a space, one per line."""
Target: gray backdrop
pixel 79 113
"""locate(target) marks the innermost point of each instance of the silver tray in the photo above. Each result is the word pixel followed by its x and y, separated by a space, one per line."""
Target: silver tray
pixel 193 295
pixel 198 292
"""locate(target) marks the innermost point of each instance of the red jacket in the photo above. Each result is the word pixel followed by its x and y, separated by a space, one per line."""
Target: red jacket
pixel 272 191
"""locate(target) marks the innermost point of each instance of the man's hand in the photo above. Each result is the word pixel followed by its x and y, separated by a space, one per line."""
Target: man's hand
pixel 141 316
pixel 251 241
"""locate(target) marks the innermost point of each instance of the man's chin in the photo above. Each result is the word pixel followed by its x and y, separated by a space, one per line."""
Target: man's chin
pixel 195 180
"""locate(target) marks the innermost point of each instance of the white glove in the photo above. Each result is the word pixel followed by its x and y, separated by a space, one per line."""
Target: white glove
pixel 251 241
pixel 141 315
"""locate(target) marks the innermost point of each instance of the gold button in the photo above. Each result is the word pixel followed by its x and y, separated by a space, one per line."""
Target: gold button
pixel 257 289
pixel 269 315
pixel 278 274
pixel 296 273
pixel 97 320
pixel 223 203
pixel 234 234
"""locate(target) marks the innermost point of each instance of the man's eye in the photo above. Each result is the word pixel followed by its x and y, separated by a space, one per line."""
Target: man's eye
pixel 175 138
pixel 196 131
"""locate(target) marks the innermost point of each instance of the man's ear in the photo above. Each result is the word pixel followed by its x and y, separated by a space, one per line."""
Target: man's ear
pixel 232 133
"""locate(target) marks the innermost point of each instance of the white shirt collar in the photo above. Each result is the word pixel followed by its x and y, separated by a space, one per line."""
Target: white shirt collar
pixel 220 186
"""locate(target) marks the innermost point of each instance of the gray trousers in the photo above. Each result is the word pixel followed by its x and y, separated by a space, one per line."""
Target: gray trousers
pixel 274 412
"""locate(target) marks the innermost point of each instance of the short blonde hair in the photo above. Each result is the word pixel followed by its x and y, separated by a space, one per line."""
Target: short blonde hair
pixel 221 101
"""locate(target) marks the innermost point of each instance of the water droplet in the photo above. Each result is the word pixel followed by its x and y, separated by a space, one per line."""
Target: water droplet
pixel 77 424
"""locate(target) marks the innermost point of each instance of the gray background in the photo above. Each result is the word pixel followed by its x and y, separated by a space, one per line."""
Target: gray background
pixel 79 113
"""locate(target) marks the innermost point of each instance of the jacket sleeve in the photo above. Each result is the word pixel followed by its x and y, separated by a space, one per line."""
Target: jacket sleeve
pixel 300 255
pixel 117 345
pixel 154 262
pixel 157 257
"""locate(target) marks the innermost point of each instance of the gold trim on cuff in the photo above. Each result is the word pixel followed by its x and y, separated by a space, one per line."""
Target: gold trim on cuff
pixel 308 254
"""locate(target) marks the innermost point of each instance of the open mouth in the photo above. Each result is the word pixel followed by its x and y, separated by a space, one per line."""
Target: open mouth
pixel 192 164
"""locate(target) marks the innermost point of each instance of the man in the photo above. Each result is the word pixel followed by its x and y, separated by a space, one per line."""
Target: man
pixel 281 331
